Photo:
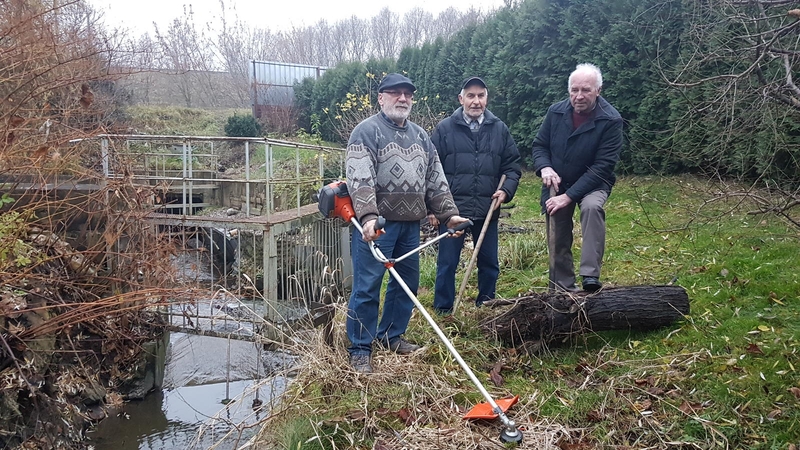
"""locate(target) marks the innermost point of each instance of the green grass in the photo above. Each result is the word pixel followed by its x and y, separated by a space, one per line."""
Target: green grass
pixel 181 121
pixel 725 377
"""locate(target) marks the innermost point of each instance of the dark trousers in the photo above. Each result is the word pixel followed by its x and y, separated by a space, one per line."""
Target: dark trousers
pixel 448 261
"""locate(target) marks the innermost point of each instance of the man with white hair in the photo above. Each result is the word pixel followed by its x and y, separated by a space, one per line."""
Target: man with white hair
pixel 575 152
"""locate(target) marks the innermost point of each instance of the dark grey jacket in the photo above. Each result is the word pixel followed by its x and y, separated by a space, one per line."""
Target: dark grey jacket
pixel 474 162
pixel 584 158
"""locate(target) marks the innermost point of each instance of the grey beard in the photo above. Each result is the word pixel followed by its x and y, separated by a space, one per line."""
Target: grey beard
pixel 397 114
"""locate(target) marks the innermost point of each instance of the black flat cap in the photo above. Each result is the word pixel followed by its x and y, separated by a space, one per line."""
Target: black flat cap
pixel 394 80
pixel 473 81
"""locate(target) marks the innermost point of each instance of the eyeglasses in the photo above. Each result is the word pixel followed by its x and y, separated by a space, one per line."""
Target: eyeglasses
pixel 398 94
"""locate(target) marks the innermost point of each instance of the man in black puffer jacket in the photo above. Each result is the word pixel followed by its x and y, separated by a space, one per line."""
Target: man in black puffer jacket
pixel 476 149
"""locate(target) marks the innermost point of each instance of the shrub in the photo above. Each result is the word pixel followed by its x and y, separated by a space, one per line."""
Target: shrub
pixel 242 126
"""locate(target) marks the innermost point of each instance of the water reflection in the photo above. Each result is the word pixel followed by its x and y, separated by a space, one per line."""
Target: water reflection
pixel 191 412
pixel 192 417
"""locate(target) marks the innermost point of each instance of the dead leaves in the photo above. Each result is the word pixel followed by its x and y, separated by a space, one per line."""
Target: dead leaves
pixel 795 391
pixel 754 349
pixel 12 305
pixel 700 269
pixel 14 121
pixel 40 152
pixel 495 376
pixel 582 444
pixel 773 415
pixel 656 391
pixel 595 416
pixel 692 408
pixel 87 96
pixel 643 406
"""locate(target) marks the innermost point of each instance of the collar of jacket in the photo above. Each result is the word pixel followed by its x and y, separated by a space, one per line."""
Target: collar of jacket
pixel 458 117
pixel 603 109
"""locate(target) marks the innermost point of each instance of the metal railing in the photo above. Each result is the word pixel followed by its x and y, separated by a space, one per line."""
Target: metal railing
pixel 239 214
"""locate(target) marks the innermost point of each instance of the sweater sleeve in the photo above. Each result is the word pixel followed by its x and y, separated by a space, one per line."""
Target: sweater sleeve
pixel 360 161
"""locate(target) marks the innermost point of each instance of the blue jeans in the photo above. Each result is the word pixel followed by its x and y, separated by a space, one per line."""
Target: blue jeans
pixel 362 311
pixel 447 264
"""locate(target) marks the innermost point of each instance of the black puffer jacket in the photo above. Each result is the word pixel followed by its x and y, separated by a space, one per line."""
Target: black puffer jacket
pixel 474 162
pixel 584 158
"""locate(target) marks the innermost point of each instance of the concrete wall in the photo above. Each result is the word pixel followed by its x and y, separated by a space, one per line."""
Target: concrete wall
pixel 195 89
pixel 234 195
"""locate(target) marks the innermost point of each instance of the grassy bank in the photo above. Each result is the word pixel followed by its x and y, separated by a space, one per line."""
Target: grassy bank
pixel 181 121
pixel 725 377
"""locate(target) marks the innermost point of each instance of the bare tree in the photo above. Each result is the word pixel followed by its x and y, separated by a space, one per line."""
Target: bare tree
pixel 187 51
pixel 735 73
pixel 416 27
pixel 339 43
pixel 448 22
pixel 358 38
pixel 54 73
pixel 385 33
pixel 235 48
pixel 209 65
pixel 298 45
pixel 324 38
pixel 742 44
pixel 264 45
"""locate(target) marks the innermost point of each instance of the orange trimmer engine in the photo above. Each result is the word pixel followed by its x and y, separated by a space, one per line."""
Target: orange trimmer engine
pixel 334 201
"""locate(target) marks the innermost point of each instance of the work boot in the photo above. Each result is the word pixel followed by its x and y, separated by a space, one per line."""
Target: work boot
pixel 361 363
pixel 591 284
pixel 401 346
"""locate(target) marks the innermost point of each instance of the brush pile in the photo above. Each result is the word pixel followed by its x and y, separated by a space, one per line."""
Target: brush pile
pixel 68 348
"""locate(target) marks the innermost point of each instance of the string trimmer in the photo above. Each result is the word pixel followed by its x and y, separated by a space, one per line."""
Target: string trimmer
pixel 334 202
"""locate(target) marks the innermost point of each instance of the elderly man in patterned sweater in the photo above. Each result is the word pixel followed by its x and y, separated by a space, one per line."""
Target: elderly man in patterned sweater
pixel 393 171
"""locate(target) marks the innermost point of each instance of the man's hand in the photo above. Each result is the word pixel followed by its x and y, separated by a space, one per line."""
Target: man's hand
pixel 500 195
pixel 368 231
pixel 454 222
pixel 553 204
pixel 433 220
pixel 550 178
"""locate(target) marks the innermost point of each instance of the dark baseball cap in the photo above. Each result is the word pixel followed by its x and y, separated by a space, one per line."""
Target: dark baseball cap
pixel 394 80
pixel 472 81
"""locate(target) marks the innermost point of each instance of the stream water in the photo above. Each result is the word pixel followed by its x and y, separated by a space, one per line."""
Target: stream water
pixel 202 374
pixel 192 412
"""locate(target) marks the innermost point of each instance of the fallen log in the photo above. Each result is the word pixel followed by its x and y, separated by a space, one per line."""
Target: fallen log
pixel 539 319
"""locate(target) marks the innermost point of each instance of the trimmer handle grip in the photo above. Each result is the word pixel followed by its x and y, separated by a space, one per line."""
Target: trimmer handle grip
pixel 461 226
pixel 380 222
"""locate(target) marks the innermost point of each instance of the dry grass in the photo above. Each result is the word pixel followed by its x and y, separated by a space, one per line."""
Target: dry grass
pixel 409 402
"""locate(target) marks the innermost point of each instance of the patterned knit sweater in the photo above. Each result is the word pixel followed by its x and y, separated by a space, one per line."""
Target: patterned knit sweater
pixel 395 172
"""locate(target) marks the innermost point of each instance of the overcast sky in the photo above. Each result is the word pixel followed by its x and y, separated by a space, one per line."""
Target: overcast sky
pixel 138 15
